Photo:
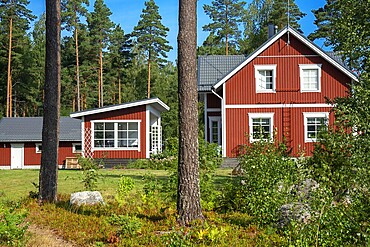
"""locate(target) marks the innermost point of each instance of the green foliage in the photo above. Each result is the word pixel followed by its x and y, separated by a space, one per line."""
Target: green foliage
pixel 12 225
pixel 125 185
pixel 128 225
pixel 264 185
pixel 90 172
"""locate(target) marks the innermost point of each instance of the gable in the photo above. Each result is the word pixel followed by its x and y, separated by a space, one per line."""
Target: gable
pixel 288 42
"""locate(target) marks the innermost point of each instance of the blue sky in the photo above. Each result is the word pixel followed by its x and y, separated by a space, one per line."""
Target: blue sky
pixel 127 13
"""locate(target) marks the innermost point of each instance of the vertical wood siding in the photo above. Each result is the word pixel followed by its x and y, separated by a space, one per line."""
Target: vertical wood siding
pixel 241 89
pixel 134 113
pixel 5 154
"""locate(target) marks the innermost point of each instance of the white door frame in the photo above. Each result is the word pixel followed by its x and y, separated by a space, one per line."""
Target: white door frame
pixel 219 128
pixel 17 156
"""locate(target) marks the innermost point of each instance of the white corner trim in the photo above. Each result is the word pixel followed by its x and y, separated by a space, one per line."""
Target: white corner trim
pixel 223 121
pixel 147 133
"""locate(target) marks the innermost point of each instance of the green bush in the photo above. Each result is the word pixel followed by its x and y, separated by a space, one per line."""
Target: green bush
pixel 128 225
pixel 12 226
pixel 90 172
pixel 125 185
pixel 265 183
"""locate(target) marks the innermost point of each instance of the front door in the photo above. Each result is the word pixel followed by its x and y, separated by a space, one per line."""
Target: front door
pixel 17 156
pixel 215 130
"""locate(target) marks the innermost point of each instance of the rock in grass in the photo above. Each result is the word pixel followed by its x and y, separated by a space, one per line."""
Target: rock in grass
pixel 86 198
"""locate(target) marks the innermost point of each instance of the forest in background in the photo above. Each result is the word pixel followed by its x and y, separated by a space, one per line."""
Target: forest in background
pixel 102 65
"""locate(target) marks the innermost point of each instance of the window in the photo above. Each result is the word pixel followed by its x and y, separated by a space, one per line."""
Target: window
pixel 215 129
pixel 260 126
pixel 38 148
pixel 310 75
pixel 313 123
pixel 116 134
pixel 77 148
pixel 265 78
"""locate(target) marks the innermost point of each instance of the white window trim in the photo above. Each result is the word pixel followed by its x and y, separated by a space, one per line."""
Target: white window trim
pixel 310 66
pixel 115 135
pixel 310 115
pixel 260 115
pixel 74 148
pixel 257 76
pixel 218 120
pixel 38 151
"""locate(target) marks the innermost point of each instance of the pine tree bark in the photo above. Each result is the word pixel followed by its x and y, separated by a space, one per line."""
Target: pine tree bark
pixel 77 71
pixel 50 130
pixel 188 194
pixel 9 95
pixel 148 96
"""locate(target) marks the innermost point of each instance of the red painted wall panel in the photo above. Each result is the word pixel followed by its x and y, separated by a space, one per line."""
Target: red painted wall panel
pixel 31 158
pixel 4 154
pixel 237 129
pixel 134 113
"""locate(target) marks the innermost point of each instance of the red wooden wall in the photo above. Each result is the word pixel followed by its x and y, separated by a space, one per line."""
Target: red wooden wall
pixel 240 89
pixel 134 113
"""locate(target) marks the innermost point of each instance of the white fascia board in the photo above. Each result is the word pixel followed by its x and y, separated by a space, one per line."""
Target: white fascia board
pixel 322 54
pixel 251 57
pixel 274 39
pixel 160 105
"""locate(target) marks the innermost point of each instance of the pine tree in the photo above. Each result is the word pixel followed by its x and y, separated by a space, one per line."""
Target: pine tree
pixel 48 179
pixel 345 26
pixel 100 27
pixel 151 35
pixel 281 10
pixel 73 10
pixel 17 18
pixel 188 192
pixel 226 15
pixel 120 57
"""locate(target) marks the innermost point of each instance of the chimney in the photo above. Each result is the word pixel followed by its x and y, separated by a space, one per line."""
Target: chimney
pixel 271 30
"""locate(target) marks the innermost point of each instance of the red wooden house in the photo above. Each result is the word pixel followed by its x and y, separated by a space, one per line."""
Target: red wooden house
pixel 115 133
pixel 281 86
pixel 122 132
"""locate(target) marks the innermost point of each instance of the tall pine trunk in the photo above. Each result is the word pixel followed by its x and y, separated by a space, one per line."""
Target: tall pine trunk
pixel 50 129
pixel 77 71
pixel 188 193
pixel 101 99
pixel 148 96
pixel 9 95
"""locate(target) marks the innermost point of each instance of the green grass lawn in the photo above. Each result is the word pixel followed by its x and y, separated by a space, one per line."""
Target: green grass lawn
pixel 15 184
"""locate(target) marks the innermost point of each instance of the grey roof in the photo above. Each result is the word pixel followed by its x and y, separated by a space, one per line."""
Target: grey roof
pixel 29 129
pixel 212 68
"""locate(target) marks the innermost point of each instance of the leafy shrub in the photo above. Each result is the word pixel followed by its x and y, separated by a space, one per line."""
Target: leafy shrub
pixel 12 226
pixel 128 225
pixel 90 172
pixel 264 185
pixel 125 185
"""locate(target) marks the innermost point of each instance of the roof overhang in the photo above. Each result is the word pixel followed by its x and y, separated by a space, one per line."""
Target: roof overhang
pixel 272 40
pixel 154 102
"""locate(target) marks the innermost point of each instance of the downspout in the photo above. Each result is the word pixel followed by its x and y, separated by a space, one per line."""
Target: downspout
pixel 222 122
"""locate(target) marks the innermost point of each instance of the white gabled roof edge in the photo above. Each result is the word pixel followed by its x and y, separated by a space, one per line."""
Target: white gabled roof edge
pixel 160 105
pixel 274 39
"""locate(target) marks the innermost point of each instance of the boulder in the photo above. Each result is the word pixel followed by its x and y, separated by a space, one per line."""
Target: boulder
pixel 86 198
pixel 304 190
pixel 298 212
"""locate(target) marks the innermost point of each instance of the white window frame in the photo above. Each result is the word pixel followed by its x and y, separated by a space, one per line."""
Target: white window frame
pixel 303 67
pixel 258 116
pixel 257 75
pixel 74 148
pixel 38 150
pixel 313 115
pixel 115 135
pixel 219 128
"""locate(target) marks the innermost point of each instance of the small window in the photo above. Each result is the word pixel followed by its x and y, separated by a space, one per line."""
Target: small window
pixel 77 148
pixel 310 75
pixel 265 78
pixel 313 124
pixel 38 148
pixel 261 126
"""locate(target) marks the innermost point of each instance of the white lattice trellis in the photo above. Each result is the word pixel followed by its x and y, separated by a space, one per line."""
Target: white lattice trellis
pixel 88 151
